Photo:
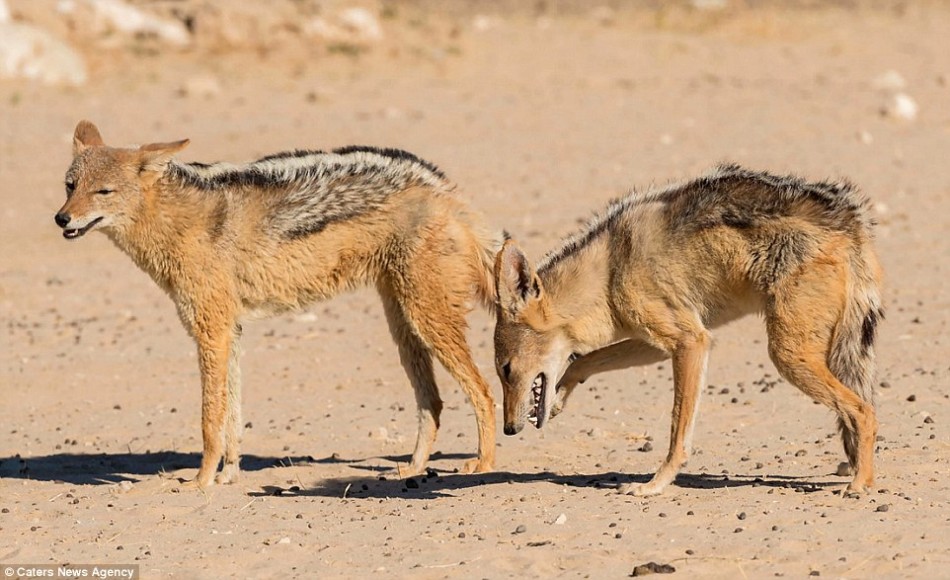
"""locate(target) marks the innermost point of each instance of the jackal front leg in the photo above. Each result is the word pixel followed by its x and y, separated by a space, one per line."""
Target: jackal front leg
pixel 214 347
pixel 233 423
pixel 689 373
pixel 617 356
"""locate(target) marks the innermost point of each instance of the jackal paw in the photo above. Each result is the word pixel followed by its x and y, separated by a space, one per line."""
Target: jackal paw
pixel 193 485
pixel 402 472
pixel 641 489
pixel 230 473
pixel 856 489
pixel 476 465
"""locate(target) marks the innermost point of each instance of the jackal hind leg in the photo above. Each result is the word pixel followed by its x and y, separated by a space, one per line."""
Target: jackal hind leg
pixel 442 327
pixel 416 359
pixel 800 327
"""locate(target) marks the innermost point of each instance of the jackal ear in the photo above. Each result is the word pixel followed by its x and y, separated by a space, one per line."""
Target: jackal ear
pixel 156 156
pixel 516 282
pixel 86 136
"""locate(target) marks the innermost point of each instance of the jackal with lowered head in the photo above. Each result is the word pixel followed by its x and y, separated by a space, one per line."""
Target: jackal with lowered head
pixel 649 277
pixel 233 242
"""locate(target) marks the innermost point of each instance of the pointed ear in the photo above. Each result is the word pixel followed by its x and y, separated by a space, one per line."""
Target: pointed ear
pixel 516 282
pixel 86 136
pixel 156 156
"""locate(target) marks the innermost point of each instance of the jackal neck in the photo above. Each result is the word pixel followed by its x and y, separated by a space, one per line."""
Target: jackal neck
pixel 165 235
pixel 576 288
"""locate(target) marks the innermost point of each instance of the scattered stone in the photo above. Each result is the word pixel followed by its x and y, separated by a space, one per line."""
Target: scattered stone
pixel 652 568
pixel 353 25
pixel 928 419
pixel 709 5
pixel 741 515
pixel 911 398
pixel 284 540
pixel 890 81
pixel 560 520
pixel 411 483
pixel 646 447
pixel 520 529
pixel 901 106
pixel 882 508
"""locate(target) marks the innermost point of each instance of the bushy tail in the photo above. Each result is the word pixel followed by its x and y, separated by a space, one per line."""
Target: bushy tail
pixel 851 357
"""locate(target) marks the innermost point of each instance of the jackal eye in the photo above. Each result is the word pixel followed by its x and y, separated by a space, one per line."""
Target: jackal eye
pixel 506 370
pixel 70 187
pixel 105 191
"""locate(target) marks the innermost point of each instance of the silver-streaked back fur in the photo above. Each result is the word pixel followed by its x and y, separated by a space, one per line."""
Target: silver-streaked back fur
pixel 725 196
pixel 307 190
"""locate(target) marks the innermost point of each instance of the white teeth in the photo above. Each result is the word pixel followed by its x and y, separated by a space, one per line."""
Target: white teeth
pixel 537 383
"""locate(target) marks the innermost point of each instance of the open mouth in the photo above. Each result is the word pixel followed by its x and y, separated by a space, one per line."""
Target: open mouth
pixel 73 233
pixel 539 393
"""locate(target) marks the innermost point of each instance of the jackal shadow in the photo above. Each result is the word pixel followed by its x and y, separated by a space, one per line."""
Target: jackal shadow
pixel 435 484
pixel 110 468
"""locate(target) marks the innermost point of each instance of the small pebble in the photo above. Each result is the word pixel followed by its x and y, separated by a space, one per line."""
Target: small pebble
pixel 521 529
pixel 911 398
pixel 741 515
pixel 883 508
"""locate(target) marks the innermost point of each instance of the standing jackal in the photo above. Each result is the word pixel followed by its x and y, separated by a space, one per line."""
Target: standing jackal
pixel 647 278
pixel 229 242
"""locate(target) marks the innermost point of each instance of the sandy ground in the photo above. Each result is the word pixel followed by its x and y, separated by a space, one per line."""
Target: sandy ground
pixel 540 120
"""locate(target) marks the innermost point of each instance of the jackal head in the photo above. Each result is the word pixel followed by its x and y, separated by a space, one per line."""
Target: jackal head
pixel 532 346
pixel 106 186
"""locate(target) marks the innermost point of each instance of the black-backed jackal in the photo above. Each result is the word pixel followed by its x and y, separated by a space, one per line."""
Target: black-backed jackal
pixel 232 242
pixel 648 277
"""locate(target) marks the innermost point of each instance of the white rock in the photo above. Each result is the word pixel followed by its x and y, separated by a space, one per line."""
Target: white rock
pixel 890 81
pixel 351 25
pixel 31 53
pixel 482 23
pixel 709 4
pixel 362 23
pixel 66 6
pixel 283 540
pixel 902 106
pixel 130 20
pixel 560 520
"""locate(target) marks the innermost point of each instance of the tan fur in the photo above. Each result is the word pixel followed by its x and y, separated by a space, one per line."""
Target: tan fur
pixel 647 279
pixel 225 249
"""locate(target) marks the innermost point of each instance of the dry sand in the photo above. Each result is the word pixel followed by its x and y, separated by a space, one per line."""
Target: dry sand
pixel 540 119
